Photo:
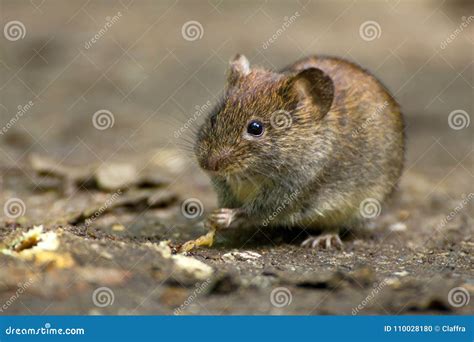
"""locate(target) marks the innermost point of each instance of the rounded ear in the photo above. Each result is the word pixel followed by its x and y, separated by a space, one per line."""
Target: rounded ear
pixel 315 86
pixel 239 67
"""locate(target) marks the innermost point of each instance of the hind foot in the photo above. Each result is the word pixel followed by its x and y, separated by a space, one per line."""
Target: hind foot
pixel 326 241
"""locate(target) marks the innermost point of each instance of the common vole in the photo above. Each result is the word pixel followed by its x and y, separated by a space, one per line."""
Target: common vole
pixel 306 147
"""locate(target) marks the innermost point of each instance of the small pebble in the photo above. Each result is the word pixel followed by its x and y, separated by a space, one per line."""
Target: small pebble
pixel 241 256
pixel 398 227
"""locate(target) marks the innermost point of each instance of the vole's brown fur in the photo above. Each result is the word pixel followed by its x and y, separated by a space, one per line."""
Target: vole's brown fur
pixel 341 142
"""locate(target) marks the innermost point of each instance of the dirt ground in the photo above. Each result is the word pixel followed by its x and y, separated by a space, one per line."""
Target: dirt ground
pixel 110 198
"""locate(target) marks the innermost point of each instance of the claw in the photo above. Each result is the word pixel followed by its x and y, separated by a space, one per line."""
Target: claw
pixel 221 218
pixel 327 241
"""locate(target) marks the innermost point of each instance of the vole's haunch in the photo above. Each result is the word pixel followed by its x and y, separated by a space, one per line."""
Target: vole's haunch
pixel 317 146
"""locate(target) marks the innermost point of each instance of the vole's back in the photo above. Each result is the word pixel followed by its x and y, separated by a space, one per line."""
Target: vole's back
pixel 367 132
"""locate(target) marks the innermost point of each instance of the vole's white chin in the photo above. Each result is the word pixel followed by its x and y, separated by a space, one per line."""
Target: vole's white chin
pixel 219 173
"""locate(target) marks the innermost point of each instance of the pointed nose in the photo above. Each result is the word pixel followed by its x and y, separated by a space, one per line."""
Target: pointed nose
pixel 215 161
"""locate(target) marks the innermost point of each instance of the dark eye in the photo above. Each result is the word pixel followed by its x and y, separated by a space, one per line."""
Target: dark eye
pixel 255 128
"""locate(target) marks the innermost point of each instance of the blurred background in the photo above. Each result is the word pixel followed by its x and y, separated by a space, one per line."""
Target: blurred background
pixel 89 82
pixel 153 62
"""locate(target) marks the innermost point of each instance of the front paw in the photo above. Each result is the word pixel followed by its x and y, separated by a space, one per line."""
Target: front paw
pixel 222 218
